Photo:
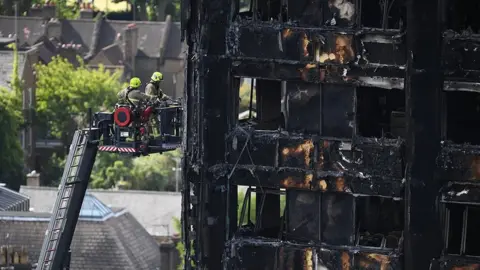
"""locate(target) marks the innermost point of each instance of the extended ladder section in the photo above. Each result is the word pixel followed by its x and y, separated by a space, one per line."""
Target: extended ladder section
pixel 69 201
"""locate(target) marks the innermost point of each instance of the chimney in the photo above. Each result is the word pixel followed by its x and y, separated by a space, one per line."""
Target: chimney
pixel 53 29
pixel 86 12
pixel 33 179
pixel 130 38
pixel 49 10
pixel 35 11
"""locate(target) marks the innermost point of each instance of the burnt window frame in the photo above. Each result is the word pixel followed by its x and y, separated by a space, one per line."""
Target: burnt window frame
pixel 247 204
pixel 356 227
pixel 464 233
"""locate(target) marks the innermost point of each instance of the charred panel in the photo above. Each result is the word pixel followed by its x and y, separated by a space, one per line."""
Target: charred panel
pixel 337 219
pixel 251 151
pixel 296 154
pixel 303 222
pixel 459 163
pixel 460 55
pixel 382 49
pixel 337 111
pixel 304 107
pixel 382 158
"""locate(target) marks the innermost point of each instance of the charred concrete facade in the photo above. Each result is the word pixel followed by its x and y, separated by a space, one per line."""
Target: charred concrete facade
pixel 366 120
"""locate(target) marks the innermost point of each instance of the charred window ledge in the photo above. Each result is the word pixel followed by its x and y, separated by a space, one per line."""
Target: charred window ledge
pixel 456 262
pixel 463 193
pixel 372 75
pixel 251 175
pixel 463 85
pixel 460 56
pixel 257 253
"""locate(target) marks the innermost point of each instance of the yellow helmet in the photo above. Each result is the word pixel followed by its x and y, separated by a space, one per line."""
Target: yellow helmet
pixel 135 82
pixel 157 76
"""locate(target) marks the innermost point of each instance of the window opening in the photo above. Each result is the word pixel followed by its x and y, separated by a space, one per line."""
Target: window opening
pixel 379 222
pixel 385 14
pixel 380 112
pixel 463 117
pixel 462 16
pixel 253 202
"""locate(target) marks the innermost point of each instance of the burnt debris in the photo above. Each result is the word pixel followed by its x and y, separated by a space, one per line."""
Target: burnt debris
pixel 352 123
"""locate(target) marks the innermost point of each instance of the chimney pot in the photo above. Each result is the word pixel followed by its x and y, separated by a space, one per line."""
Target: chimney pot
pixel 33 179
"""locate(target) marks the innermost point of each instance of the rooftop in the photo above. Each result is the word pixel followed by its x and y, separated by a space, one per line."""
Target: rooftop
pixel 154 210
pixel 12 201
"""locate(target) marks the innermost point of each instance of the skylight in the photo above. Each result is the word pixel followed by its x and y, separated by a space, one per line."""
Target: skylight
pixel 94 208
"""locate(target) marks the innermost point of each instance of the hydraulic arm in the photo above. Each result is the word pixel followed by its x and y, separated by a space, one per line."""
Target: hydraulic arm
pixel 55 253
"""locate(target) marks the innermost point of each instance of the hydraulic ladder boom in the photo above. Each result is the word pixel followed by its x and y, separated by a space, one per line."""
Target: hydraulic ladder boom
pixel 55 251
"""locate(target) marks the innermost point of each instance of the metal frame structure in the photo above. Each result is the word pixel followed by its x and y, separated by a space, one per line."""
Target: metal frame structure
pixel 325 72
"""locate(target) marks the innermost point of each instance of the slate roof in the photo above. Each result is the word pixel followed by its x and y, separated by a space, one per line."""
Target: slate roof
pixel 30 28
pixel 150 35
pixel 13 201
pixel 78 32
pixel 6 66
pixel 117 241
pixel 158 221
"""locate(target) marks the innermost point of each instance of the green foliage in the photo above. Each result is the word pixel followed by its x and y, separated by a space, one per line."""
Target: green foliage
pixel 151 172
pixel 245 90
pixel 64 92
pixel 11 159
pixel 67 10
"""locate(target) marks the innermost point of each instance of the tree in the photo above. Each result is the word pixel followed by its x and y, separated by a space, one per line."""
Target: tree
pixel 65 92
pixel 152 172
pixel 11 159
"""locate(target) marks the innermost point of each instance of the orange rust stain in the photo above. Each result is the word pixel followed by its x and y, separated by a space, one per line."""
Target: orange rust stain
pixel 286 33
pixel 340 184
pixel 343 48
pixel 305 148
pixel 305 43
pixel 475 266
pixel 323 185
pixel 345 258
pixel 291 182
pixel 475 168
pixel 384 260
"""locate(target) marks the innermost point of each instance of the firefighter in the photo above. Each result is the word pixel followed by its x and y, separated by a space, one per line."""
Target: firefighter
pixel 153 87
pixel 134 94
